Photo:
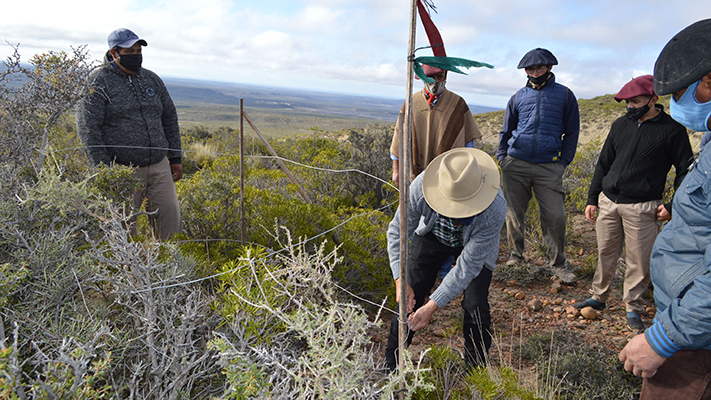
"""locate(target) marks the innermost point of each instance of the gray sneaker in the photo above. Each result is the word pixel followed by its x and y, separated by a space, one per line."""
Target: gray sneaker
pixel 564 273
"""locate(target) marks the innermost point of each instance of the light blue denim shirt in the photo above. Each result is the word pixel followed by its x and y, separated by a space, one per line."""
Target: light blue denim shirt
pixel 481 241
pixel 680 268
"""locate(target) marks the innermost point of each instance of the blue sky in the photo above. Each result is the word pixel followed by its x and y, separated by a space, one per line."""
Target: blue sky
pixel 360 47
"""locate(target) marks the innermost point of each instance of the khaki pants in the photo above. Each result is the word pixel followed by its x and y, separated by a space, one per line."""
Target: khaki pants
pixel 519 177
pixel 159 190
pixel 685 375
pixel 635 225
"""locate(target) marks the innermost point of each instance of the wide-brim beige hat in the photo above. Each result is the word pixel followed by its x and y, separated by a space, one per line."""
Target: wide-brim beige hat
pixel 461 183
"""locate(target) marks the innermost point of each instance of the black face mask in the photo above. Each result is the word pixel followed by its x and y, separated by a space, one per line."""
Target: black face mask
pixel 539 80
pixel 131 62
pixel 637 113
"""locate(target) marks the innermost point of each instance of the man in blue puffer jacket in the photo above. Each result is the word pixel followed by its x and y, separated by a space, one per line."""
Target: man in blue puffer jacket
pixel 674 354
pixel 538 140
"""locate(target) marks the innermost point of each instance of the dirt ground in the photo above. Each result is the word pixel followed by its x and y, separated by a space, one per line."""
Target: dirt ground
pixel 513 321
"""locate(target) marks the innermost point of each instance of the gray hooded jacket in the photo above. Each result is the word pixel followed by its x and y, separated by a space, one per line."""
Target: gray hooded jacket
pixel 128 119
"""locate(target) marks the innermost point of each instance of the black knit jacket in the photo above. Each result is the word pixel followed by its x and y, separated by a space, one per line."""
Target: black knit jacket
pixel 636 158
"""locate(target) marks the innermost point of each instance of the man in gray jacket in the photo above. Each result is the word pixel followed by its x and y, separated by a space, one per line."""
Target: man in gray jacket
pixel 456 208
pixel 129 119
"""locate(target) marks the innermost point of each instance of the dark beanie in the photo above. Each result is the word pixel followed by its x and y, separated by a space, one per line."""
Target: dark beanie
pixel 537 56
pixel 685 59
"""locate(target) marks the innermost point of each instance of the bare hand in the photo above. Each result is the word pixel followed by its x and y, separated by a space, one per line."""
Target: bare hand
pixel 177 171
pixel 396 173
pixel 639 358
pixel 590 211
pixel 410 295
pixel 422 317
pixel 663 214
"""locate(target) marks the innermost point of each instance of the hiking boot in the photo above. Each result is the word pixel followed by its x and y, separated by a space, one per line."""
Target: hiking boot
pixel 635 322
pixel 590 303
pixel 564 273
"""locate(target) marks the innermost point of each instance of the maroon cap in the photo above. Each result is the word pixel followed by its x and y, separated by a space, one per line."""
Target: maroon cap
pixel 639 86
pixel 430 70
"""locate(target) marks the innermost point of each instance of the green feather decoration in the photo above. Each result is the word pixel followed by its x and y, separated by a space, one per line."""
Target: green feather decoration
pixel 445 63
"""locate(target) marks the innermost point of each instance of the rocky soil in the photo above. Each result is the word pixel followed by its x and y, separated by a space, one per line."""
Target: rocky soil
pixel 527 300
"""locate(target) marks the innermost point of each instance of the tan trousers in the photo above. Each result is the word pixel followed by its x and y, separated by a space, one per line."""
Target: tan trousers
pixel 634 225
pixel 159 191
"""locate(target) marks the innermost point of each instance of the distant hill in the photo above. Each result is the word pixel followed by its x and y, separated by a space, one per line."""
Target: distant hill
pixel 273 98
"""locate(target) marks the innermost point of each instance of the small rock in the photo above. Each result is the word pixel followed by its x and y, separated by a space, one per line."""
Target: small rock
pixel 557 301
pixel 440 333
pixel 535 305
pixel 520 296
pixel 570 316
pixel 581 252
pixel 546 302
pixel 558 310
pixel 570 310
pixel 589 313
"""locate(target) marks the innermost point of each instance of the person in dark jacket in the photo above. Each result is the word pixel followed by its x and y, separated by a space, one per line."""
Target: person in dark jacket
pixel 626 191
pixel 538 140
pixel 129 119
pixel 674 354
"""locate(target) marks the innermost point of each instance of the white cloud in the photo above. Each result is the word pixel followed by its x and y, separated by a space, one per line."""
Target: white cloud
pixel 361 46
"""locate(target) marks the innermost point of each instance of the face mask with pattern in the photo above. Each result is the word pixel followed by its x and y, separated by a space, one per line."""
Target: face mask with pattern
pixel 435 88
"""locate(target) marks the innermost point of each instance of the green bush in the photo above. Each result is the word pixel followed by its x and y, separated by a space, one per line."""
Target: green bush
pixel 582 370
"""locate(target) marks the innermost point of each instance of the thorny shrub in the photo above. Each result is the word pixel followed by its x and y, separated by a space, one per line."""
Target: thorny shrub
pixel 296 338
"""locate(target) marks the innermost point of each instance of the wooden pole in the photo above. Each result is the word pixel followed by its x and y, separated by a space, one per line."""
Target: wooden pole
pixel 279 161
pixel 241 169
pixel 405 162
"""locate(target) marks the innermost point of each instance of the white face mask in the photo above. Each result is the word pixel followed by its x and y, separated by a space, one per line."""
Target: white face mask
pixel 435 88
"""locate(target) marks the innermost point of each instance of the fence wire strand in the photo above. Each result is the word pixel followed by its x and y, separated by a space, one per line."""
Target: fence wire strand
pixel 273 253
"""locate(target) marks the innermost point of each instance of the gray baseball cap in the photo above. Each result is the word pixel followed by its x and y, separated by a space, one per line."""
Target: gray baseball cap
pixel 124 38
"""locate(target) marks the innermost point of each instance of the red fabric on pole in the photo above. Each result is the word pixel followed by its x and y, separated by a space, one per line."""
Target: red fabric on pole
pixel 432 32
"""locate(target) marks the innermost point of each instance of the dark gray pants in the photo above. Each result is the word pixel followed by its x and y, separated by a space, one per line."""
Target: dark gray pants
pixel 519 177
pixel 426 257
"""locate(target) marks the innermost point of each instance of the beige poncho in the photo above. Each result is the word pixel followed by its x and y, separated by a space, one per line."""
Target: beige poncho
pixel 447 125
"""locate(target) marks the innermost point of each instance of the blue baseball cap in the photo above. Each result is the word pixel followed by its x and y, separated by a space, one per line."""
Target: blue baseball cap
pixel 537 56
pixel 124 38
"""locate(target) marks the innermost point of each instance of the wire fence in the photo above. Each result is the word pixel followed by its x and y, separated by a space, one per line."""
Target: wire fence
pixel 162 284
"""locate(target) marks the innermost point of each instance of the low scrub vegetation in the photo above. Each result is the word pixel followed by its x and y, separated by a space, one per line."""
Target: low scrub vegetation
pixel 89 312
